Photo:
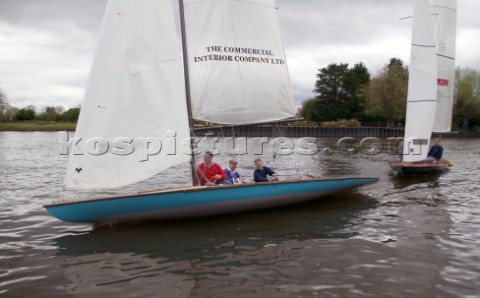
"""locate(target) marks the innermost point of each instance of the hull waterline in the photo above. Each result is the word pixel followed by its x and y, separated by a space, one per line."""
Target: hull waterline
pixel 414 168
pixel 202 201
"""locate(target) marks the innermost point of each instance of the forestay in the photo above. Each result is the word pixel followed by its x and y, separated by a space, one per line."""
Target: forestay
pixel 135 93
pixel 444 16
pixel 238 69
pixel 422 85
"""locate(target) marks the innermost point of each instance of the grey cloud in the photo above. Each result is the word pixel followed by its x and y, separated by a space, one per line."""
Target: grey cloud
pixel 85 13
pixel 316 32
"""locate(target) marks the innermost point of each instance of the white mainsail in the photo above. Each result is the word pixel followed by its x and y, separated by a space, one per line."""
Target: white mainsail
pixel 422 85
pixel 238 70
pixel 135 93
pixel 444 16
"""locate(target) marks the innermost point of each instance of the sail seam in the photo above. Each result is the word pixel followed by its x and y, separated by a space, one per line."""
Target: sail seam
pixel 272 7
pixel 444 56
pixel 423 100
pixel 423 46
pixel 246 1
pixel 446 7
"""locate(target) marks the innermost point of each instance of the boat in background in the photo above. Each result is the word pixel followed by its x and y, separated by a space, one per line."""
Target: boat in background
pixel 430 85
pixel 139 93
pixel 420 167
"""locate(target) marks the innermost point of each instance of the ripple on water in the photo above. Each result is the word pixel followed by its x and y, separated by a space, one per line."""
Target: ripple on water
pixel 403 237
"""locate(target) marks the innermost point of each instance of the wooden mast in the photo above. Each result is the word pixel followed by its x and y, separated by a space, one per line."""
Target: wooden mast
pixel 187 91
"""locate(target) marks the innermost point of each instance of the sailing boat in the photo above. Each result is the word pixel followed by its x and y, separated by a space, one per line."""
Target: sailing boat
pixel 444 16
pixel 430 86
pixel 142 90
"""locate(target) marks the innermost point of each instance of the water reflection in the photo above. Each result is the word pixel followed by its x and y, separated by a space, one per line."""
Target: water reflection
pixel 178 255
pixel 402 237
pixel 317 220
pixel 401 181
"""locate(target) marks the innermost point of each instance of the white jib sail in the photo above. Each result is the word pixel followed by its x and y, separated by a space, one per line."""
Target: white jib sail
pixel 422 85
pixel 134 114
pixel 238 69
pixel 444 16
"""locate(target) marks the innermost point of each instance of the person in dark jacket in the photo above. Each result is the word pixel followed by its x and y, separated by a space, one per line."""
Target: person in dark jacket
pixel 263 173
pixel 436 152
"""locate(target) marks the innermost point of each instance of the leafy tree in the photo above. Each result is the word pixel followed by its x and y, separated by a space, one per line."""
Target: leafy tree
pixel 50 114
pixel 9 113
pixel 340 95
pixel 355 84
pixel 25 115
pixel 3 105
pixel 467 97
pixel 387 92
pixel 308 109
pixel 71 115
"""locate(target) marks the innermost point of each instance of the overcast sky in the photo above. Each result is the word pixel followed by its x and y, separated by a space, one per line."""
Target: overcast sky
pixel 46 46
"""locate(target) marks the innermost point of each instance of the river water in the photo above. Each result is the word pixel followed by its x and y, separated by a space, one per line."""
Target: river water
pixel 402 237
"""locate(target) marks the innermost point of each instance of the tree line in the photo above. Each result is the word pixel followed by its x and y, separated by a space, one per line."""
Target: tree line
pixel 343 92
pixel 9 113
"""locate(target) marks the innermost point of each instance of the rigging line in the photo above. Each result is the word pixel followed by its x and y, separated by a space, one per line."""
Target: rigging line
pixel 188 99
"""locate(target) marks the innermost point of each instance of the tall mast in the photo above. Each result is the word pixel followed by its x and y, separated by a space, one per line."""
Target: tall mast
pixel 187 90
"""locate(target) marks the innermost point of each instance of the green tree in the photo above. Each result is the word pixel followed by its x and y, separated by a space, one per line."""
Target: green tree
pixel 71 115
pixel 387 92
pixel 50 114
pixel 339 93
pixel 355 84
pixel 9 113
pixel 25 114
pixel 3 105
pixel 467 97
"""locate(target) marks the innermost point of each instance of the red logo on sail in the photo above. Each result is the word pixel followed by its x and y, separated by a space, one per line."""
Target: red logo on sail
pixel 442 82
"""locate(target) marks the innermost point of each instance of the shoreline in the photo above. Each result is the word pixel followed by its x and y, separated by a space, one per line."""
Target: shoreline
pixel 249 131
pixel 37 126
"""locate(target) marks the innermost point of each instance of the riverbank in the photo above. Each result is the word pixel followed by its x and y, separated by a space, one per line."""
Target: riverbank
pixel 260 131
pixel 38 126
pixel 253 130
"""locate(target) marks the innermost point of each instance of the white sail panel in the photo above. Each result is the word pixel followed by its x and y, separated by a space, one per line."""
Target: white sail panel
pixel 422 85
pixel 444 16
pixel 135 92
pixel 238 69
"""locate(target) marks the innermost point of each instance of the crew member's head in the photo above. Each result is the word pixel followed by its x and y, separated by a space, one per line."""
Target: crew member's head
pixel 208 156
pixel 233 164
pixel 258 164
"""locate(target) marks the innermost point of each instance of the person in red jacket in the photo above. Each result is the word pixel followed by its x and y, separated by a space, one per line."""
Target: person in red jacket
pixel 210 173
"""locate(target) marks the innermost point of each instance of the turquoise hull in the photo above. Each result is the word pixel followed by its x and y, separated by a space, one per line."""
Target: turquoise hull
pixel 202 201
